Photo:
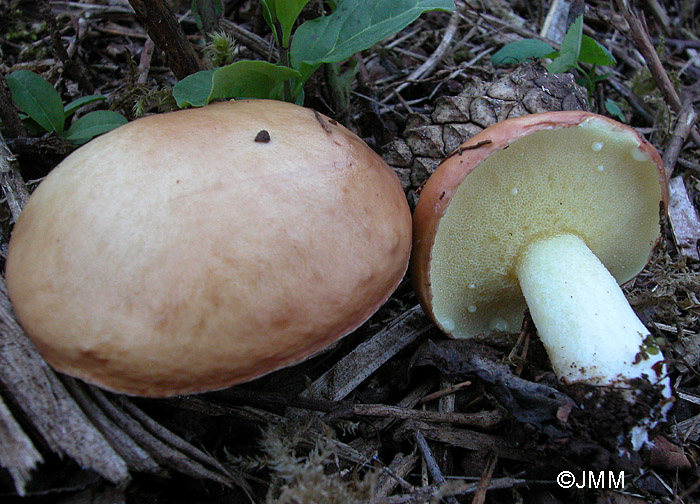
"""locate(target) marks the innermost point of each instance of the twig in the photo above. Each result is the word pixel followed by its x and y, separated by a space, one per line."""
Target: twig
pixel 432 62
pixel 445 391
pixel 640 36
pixel 482 420
pixel 73 69
pixel 684 123
pixel 431 463
pixel 145 60
pixel 252 41
pixel 485 481
pixel 167 34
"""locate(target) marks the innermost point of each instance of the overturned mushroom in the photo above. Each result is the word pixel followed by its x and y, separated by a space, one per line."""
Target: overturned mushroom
pixel 188 251
pixel 547 212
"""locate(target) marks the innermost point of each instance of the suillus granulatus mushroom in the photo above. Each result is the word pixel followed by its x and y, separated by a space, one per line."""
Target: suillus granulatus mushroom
pixel 193 250
pixel 547 212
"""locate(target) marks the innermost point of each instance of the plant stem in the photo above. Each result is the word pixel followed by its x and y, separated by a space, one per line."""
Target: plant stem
pixel 284 59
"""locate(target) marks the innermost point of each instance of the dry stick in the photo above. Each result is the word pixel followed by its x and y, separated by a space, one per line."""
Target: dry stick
pixel 432 62
pixel 486 476
pixel 145 60
pixel 46 404
pixel 431 463
pixel 134 455
pixel 163 453
pixel 73 69
pixel 11 181
pixel 17 452
pixel 249 39
pixel 640 36
pixel 172 439
pixel 162 26
pixel 482 420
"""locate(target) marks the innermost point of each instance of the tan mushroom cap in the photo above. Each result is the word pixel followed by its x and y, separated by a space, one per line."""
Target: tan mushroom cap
pixel 521 180
pixel 177 254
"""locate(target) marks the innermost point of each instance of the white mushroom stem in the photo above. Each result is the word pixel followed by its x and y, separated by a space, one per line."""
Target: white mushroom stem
pixel 590 331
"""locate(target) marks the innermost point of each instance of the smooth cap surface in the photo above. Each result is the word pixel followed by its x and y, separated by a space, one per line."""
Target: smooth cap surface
pixel 190 251
pixel 522 179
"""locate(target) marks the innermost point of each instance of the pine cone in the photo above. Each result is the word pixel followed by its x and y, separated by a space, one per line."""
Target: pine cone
pixel 428 139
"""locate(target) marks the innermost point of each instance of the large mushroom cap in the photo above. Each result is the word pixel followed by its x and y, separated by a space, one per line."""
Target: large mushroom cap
pixel 190 251
pixel 522 180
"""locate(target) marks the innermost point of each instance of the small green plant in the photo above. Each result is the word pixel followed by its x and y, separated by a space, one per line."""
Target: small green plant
pixel 576 50
pixel 352 26
pixel 42 109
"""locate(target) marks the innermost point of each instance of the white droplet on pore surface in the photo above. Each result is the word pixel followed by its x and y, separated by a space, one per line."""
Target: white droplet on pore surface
pixel 448 325
pixel 499 324
pixel 472 286
pixel 471 308
pixel 639 155
pixel 514 191
pixel 597 146
pixel 601 168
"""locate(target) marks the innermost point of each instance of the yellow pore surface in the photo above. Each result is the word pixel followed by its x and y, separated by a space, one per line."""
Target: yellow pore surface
pixel 590 180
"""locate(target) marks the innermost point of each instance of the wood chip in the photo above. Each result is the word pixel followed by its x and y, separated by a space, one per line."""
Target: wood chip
pixel 683 218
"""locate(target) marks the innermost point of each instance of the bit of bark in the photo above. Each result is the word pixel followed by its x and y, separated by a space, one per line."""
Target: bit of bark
pixel 46 404
pixel 11 181
pixel 393 475
pixel 355 367
pixel 684 219
pixel 167 34
pixel 17 452
pixel 73 69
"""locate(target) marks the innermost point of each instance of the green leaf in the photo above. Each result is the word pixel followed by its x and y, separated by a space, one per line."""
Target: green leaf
pixel 287 13
pixel 249 79
pixel 521 50
pixel 269 12
pixel 354 26
pixel 614 109
pixel 36 96
pixel 93 124
pixel 571 45
pixel 81 102
pixel 562 63
pixel 194 90
pixel 242 79
pixel 218 8
pixel 594 53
